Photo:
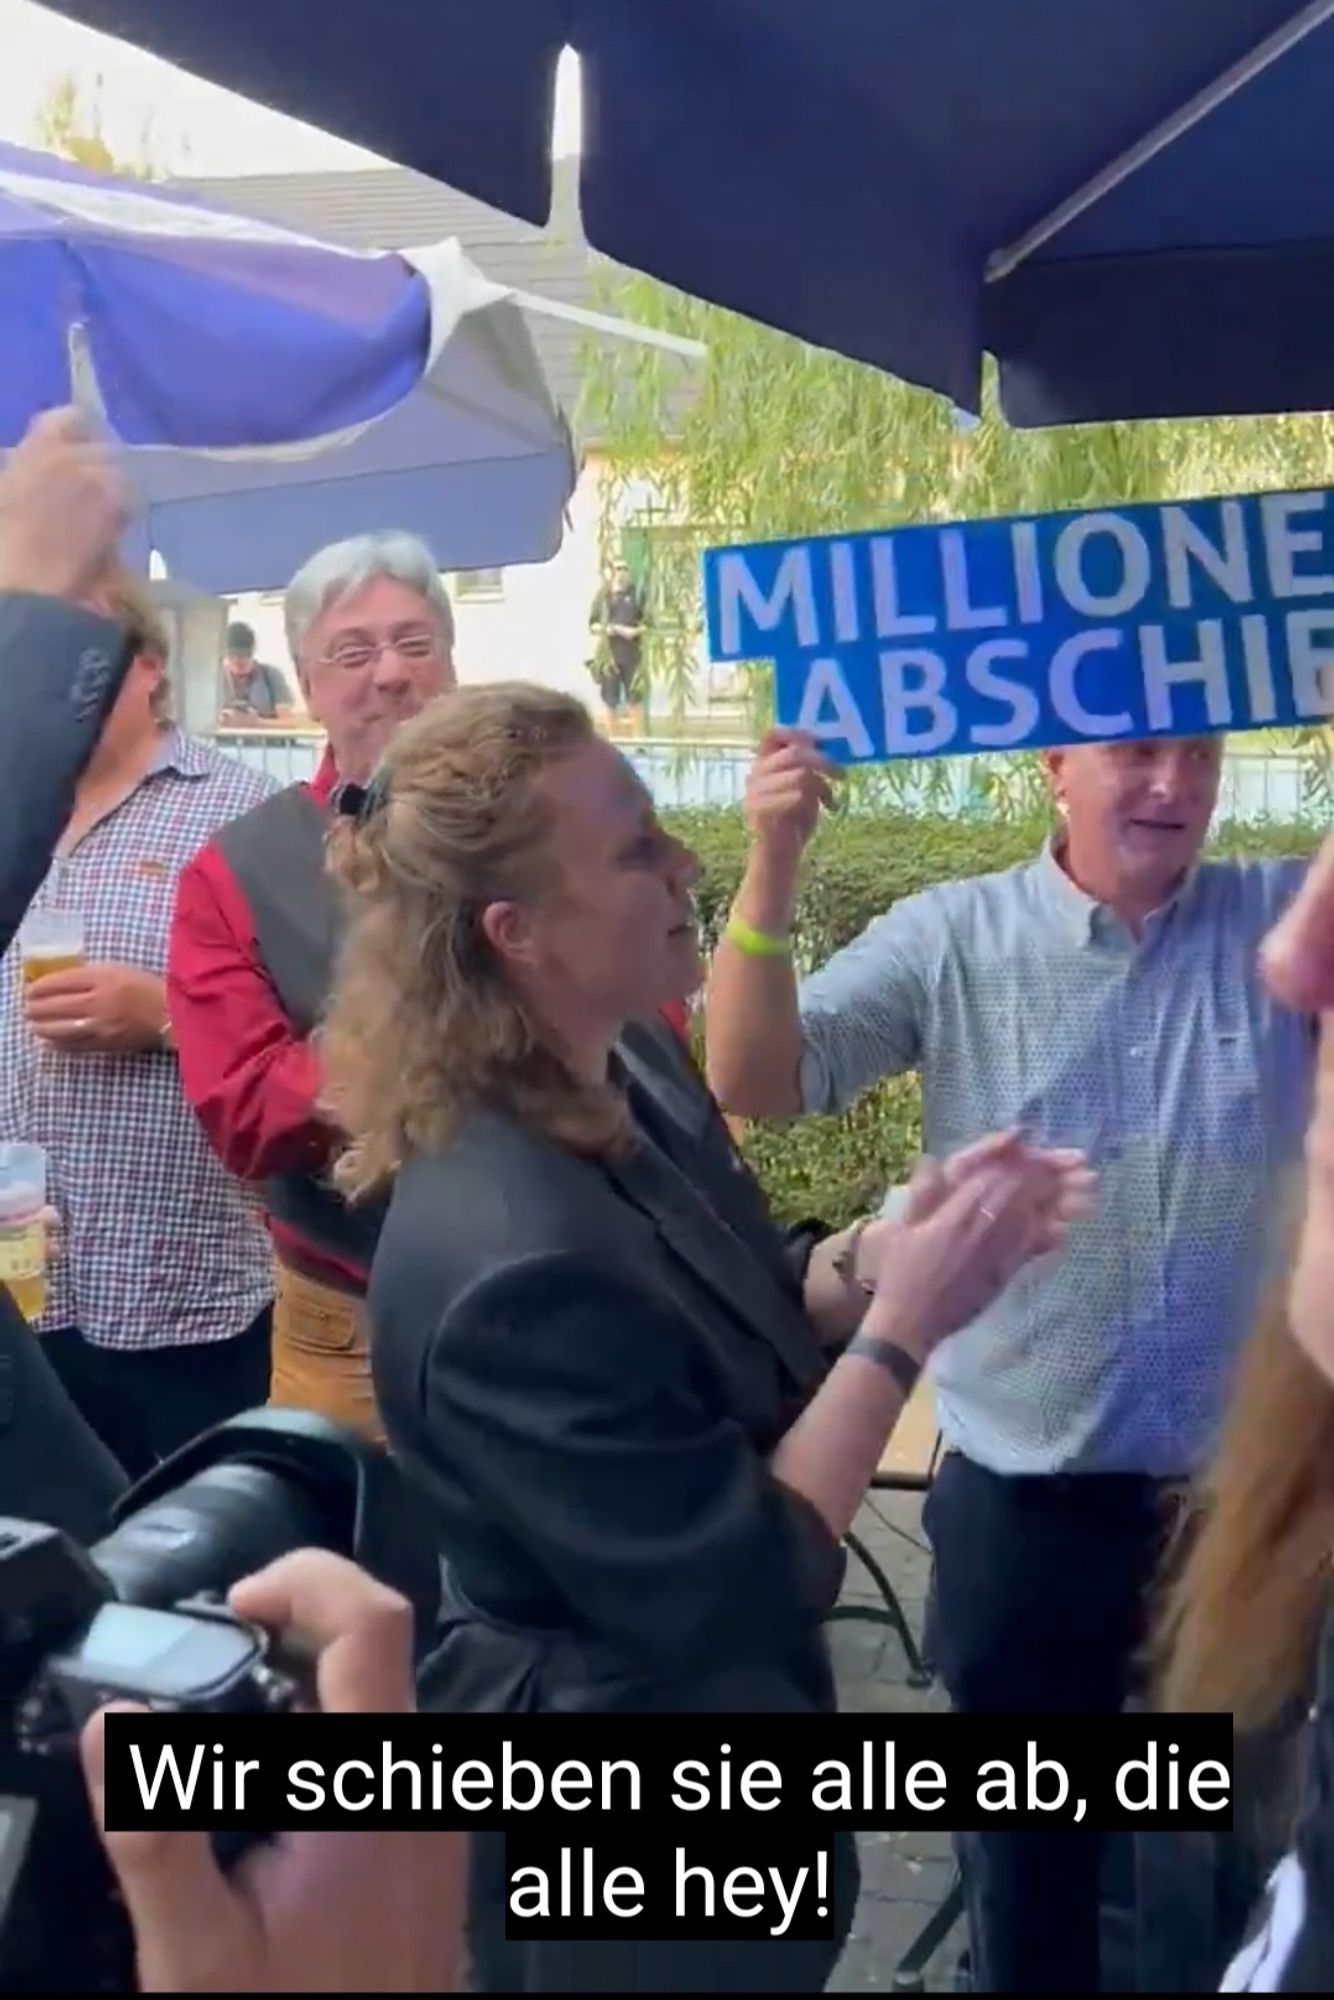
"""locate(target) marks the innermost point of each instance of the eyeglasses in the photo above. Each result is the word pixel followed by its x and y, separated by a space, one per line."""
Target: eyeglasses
pixel 353 654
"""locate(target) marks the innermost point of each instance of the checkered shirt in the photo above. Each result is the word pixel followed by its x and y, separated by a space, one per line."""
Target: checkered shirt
pixel 1022 1002
pixel 159 1246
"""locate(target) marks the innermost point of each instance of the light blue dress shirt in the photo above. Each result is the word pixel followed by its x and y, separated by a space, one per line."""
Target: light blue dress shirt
pixel 1023 1002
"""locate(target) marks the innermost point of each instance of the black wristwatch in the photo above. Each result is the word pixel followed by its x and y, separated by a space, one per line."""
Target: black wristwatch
pixel 896 1361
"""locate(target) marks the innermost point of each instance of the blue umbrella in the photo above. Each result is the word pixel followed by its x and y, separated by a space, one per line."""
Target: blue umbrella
pixel 1129 202
pixel 274 393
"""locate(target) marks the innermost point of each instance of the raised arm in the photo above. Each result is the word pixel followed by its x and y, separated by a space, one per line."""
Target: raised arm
pixel 776 1049
pixel 62 509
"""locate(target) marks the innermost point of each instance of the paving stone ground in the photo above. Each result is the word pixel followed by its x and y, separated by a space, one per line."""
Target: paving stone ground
pixel 904 1875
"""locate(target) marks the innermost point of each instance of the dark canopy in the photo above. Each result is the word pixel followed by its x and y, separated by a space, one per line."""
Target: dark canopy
pixel 852 171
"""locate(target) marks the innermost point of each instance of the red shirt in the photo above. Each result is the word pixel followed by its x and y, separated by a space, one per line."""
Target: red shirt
pixel 677 1015
pixel 253 1083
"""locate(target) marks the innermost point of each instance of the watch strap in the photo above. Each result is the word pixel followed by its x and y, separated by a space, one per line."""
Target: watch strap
pixel 845 1262
pixel 896 1361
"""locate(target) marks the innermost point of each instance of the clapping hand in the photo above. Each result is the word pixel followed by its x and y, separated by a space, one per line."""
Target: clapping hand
pixel 971 1223
pixel 1298 966
pixel 1297 958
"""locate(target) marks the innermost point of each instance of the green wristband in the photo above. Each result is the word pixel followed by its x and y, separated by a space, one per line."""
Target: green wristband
pixel 753 943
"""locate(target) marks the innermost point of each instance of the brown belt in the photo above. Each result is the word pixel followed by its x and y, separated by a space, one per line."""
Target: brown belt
pixel 321 1352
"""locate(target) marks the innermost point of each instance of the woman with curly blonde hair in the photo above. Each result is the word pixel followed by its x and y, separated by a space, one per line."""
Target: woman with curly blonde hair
pixel 641 1418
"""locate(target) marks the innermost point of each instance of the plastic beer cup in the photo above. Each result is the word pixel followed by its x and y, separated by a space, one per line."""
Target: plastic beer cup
pixel 23 1227
pixel 50 941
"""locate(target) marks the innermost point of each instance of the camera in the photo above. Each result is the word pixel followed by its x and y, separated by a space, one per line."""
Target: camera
pixel 141 1616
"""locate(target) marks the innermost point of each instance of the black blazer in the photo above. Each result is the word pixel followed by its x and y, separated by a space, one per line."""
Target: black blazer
pixel 583 1366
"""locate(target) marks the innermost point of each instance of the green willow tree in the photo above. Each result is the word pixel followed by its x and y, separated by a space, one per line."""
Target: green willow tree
pixel 772 438
pixel 70 125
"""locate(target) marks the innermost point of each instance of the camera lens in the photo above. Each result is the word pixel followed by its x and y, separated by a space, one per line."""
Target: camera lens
pixel 223 1524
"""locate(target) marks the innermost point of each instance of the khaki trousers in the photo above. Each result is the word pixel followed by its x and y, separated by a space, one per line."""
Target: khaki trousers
pixel 321 1352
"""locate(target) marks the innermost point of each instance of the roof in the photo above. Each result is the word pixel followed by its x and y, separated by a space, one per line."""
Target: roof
pixel 392 208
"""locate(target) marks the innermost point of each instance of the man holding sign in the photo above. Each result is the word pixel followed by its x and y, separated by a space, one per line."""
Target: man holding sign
pixel 1102 996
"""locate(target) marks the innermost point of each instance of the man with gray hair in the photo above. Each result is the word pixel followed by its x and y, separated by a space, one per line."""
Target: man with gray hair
pixel 253 946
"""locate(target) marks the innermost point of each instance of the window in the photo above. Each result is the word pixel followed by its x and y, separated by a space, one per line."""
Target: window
pixel 476 586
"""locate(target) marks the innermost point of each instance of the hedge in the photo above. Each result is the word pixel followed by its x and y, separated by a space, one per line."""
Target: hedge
pixel 859 864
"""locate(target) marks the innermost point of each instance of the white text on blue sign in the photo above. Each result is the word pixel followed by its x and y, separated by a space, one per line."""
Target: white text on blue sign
pixel 1181 619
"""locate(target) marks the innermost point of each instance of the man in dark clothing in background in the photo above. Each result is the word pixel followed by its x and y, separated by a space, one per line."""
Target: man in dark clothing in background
pixel 251 690
pixel 618 619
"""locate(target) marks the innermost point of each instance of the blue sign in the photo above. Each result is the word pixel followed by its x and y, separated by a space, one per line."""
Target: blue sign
pixel 1178 619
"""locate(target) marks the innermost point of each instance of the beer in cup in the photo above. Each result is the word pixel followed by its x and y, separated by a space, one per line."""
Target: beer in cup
pixel 23 1227
pixel 50 941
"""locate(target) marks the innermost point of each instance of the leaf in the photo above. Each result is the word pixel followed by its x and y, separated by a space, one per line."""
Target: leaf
pixel 70 126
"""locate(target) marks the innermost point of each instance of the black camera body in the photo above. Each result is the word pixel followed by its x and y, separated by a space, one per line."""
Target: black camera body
pixel 142 1617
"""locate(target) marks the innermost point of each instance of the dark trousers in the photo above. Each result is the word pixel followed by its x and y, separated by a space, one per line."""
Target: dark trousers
pixel 144 1403
pixel 1040 1588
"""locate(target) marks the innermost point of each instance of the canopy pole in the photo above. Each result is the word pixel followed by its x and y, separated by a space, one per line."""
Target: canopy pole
pixel 1314 15
pixel 85 391
pixel 618 329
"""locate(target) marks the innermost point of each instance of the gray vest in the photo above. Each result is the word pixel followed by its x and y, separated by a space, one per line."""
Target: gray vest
pixel 275 854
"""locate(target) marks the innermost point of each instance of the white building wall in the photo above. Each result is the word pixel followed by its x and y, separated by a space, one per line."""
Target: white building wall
pixel 537 628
